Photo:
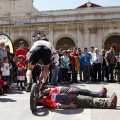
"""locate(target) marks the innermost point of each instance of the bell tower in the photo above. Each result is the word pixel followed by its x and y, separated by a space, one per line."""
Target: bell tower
pixel 9 7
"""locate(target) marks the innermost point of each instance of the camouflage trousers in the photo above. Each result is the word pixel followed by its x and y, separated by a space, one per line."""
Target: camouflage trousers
pixel 90 102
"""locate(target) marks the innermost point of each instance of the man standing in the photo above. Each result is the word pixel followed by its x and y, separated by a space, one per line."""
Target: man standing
pixel 103 64
pixel 110 61
pixel 3 54
pixel 97 61
pixel 85 60
pixel 91 68
pixel 9 54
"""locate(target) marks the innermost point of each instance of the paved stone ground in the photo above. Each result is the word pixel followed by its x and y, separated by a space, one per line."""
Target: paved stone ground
pixel 15 106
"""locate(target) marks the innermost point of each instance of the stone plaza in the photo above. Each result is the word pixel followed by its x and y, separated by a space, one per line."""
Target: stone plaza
pixel 15 106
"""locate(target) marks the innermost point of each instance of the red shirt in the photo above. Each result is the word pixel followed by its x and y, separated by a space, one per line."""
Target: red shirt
pixel 21 65
pixel 49 103
pixel 72 55
pixel 20 52
pixel 48 100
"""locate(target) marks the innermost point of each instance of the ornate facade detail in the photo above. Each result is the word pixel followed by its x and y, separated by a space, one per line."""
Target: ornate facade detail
pixel 86 26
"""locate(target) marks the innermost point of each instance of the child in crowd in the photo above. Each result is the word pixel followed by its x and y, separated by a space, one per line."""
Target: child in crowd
pixel 6 70
pixel 21 72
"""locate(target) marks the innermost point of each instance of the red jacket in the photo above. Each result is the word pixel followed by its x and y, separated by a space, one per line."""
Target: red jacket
pixel 3 82
pixel 72 55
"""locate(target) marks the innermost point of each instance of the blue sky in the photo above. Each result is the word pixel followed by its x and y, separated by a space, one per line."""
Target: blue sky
pixel 70 4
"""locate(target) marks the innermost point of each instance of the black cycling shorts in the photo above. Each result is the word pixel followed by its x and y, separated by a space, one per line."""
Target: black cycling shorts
pixel 40 52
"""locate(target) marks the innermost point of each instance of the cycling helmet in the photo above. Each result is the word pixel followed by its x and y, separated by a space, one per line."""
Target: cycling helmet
pixel 44 38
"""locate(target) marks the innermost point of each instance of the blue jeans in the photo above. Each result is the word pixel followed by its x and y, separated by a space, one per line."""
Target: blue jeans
pixel 54 77
pixel 78 91
pixel 7 79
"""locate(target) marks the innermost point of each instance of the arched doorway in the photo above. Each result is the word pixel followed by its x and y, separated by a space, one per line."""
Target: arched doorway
pixel 16 44
pixel 113 40
pixel 65 43
pixel 7 40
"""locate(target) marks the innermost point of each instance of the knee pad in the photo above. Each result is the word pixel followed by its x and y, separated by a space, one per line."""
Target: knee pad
pixel 29 75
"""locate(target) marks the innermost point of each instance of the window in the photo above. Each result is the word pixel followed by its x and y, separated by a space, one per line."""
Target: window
pixel 113 40
pixel 65 41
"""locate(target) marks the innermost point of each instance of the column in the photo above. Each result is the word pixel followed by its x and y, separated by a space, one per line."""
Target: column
pixel 80 38
pixel 86 38
pixel 99 40
pixel 66 29
pixel 92 39
pixel 51 37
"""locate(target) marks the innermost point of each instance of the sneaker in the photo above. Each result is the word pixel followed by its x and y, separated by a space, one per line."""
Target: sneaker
pixel 28 88
pixel 18 88
pixel 23 88
pixel 113 100
pixel 104 91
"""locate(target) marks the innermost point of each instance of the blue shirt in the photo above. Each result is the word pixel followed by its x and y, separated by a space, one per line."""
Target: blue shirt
pixel 85 59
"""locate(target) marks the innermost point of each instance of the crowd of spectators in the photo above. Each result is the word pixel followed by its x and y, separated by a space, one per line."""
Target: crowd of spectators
pixel 75 65
pixel 12 67
pixel 85 65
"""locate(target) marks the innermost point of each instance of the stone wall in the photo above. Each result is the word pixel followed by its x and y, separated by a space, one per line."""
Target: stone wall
pixel 86 26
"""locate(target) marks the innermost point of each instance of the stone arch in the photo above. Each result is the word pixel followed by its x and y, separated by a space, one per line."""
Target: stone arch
pixel 112 39
pixel 17 40
pixel 65 42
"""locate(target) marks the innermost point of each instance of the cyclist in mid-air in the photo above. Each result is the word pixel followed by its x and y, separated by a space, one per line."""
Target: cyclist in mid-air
pixel 44 50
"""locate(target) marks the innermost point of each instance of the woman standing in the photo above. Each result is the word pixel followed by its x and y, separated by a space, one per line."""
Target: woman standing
pixel 65 61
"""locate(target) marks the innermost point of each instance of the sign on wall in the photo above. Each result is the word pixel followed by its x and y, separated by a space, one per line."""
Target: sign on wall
pixel 4 38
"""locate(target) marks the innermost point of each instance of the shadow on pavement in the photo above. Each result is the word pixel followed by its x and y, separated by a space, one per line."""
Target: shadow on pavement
pixel 45 111
pixel 7 100
pixel 118 108
pixel 14 91
pixel 67 111
pixel 41 112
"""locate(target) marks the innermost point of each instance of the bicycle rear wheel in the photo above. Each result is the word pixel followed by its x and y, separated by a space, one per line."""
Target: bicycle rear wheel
pixel 33 97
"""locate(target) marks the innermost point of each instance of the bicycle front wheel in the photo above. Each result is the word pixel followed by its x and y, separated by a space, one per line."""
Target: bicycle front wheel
pixel 33 97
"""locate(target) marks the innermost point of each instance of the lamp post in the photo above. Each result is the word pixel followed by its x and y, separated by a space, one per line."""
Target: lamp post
pixel 34 36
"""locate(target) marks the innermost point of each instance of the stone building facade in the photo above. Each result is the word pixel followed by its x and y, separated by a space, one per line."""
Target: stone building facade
pixel 84 26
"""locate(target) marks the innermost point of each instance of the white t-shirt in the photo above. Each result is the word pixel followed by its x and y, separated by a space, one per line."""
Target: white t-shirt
pixel 6 69
pixel 47 44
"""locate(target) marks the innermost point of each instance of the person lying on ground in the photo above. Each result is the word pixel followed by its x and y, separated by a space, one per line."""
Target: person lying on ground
pixel 63 101
pixel 76 90
pixel 4 86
